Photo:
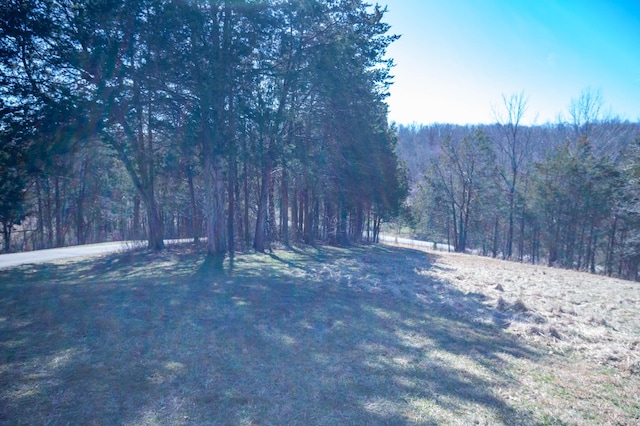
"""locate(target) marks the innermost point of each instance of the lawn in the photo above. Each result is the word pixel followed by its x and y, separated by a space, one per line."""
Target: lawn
pixel 360 335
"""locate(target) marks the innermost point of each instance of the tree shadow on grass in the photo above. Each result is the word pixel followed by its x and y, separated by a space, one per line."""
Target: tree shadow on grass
pixel 329 336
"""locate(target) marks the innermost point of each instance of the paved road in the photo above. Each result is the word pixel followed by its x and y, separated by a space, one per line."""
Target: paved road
pixel 49 255
pixel 390 238
pixel 42 256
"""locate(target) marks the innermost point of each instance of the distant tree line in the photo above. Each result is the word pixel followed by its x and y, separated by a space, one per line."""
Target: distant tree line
pixel 566 194
pixel 245 121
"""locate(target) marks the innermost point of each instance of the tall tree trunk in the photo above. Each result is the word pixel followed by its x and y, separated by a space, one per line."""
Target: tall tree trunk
pixel 81 233
pixel 294 232
pixel 343 238
pixel 195 224
pixel 214 198
pixel 521 240
pixel 239 215
pixel 581 249
pixel 261 219
pixel 369 224
pixel 6 231
pixel 377 222
pixel 358 223
pixel 306 217
pixel 284 207
pixel 58 212
pixel 272 224
pixel 611 247
pixel 511 220
pixel 553 245
pixel 593 241
pixel 48 213
pixel 496 227
pixel 331 223
pixel 245 189
pixel 155 237
pixel 233 176
pixel 315 218
pixel 40 215
pixel 303 212
pixel 136 217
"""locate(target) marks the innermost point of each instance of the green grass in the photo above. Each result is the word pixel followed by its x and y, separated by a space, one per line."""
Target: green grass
pixel 362 335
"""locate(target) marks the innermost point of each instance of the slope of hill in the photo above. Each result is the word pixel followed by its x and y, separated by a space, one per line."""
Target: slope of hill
pixel 360 335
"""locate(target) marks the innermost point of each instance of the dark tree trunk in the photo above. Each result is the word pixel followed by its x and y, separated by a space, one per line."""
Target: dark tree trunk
pixel 215 192
pixel 155 238
pixel 358 224
pixel 343 238
pixel 294 231
pixel 261 215
pixel 307 219
pixel 521 240
pixel 284 208
pixel 245 188
pixel 272 224
pixel 496 227
pixel 593 241
pixel 58 213
pixel 511 221
pixel 136 217
pixel 6 232
pixel 233 176
pixel 330 224
pixel 40 214
pixel 195 227
pixel 611 247
pixel 238 218
pixel 81 233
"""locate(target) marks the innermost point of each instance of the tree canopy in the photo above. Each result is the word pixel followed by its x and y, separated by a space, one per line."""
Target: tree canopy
pixel 246 121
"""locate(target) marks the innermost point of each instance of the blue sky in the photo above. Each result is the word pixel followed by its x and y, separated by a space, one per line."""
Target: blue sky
pixel 457 58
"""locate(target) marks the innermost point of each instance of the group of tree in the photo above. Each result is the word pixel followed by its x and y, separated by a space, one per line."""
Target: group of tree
pixel 245 121
pixel 567 194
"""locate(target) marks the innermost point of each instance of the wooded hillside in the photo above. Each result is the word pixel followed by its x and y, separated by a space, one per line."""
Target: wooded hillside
pixel 564 194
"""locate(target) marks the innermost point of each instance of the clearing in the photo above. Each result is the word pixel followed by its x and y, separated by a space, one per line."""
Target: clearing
pixel 362 335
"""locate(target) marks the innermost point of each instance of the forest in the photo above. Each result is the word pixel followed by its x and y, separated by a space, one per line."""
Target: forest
pixel 565 194
pixel 245 122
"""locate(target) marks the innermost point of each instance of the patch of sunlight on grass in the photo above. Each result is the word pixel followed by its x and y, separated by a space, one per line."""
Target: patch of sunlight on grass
pixel 286 339
pixel 405 382
pixel 171 370
pixel 12 344
pixel 322 358
pixel 23 391
pixel 19 323
pixel 239 301
pixel 403 362
pixel 174 366
pixel 167 410
pixel 382 407
pixel 414 340
pixel 463 363
pixel 379 312
pixel 425 410
pixel 62 358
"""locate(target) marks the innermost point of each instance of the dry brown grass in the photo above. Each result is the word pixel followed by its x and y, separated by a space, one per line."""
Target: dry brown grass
pixel 365 335
pixel 589 324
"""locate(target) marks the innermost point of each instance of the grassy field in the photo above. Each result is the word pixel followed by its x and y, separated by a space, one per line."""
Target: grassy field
pixel 364 335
